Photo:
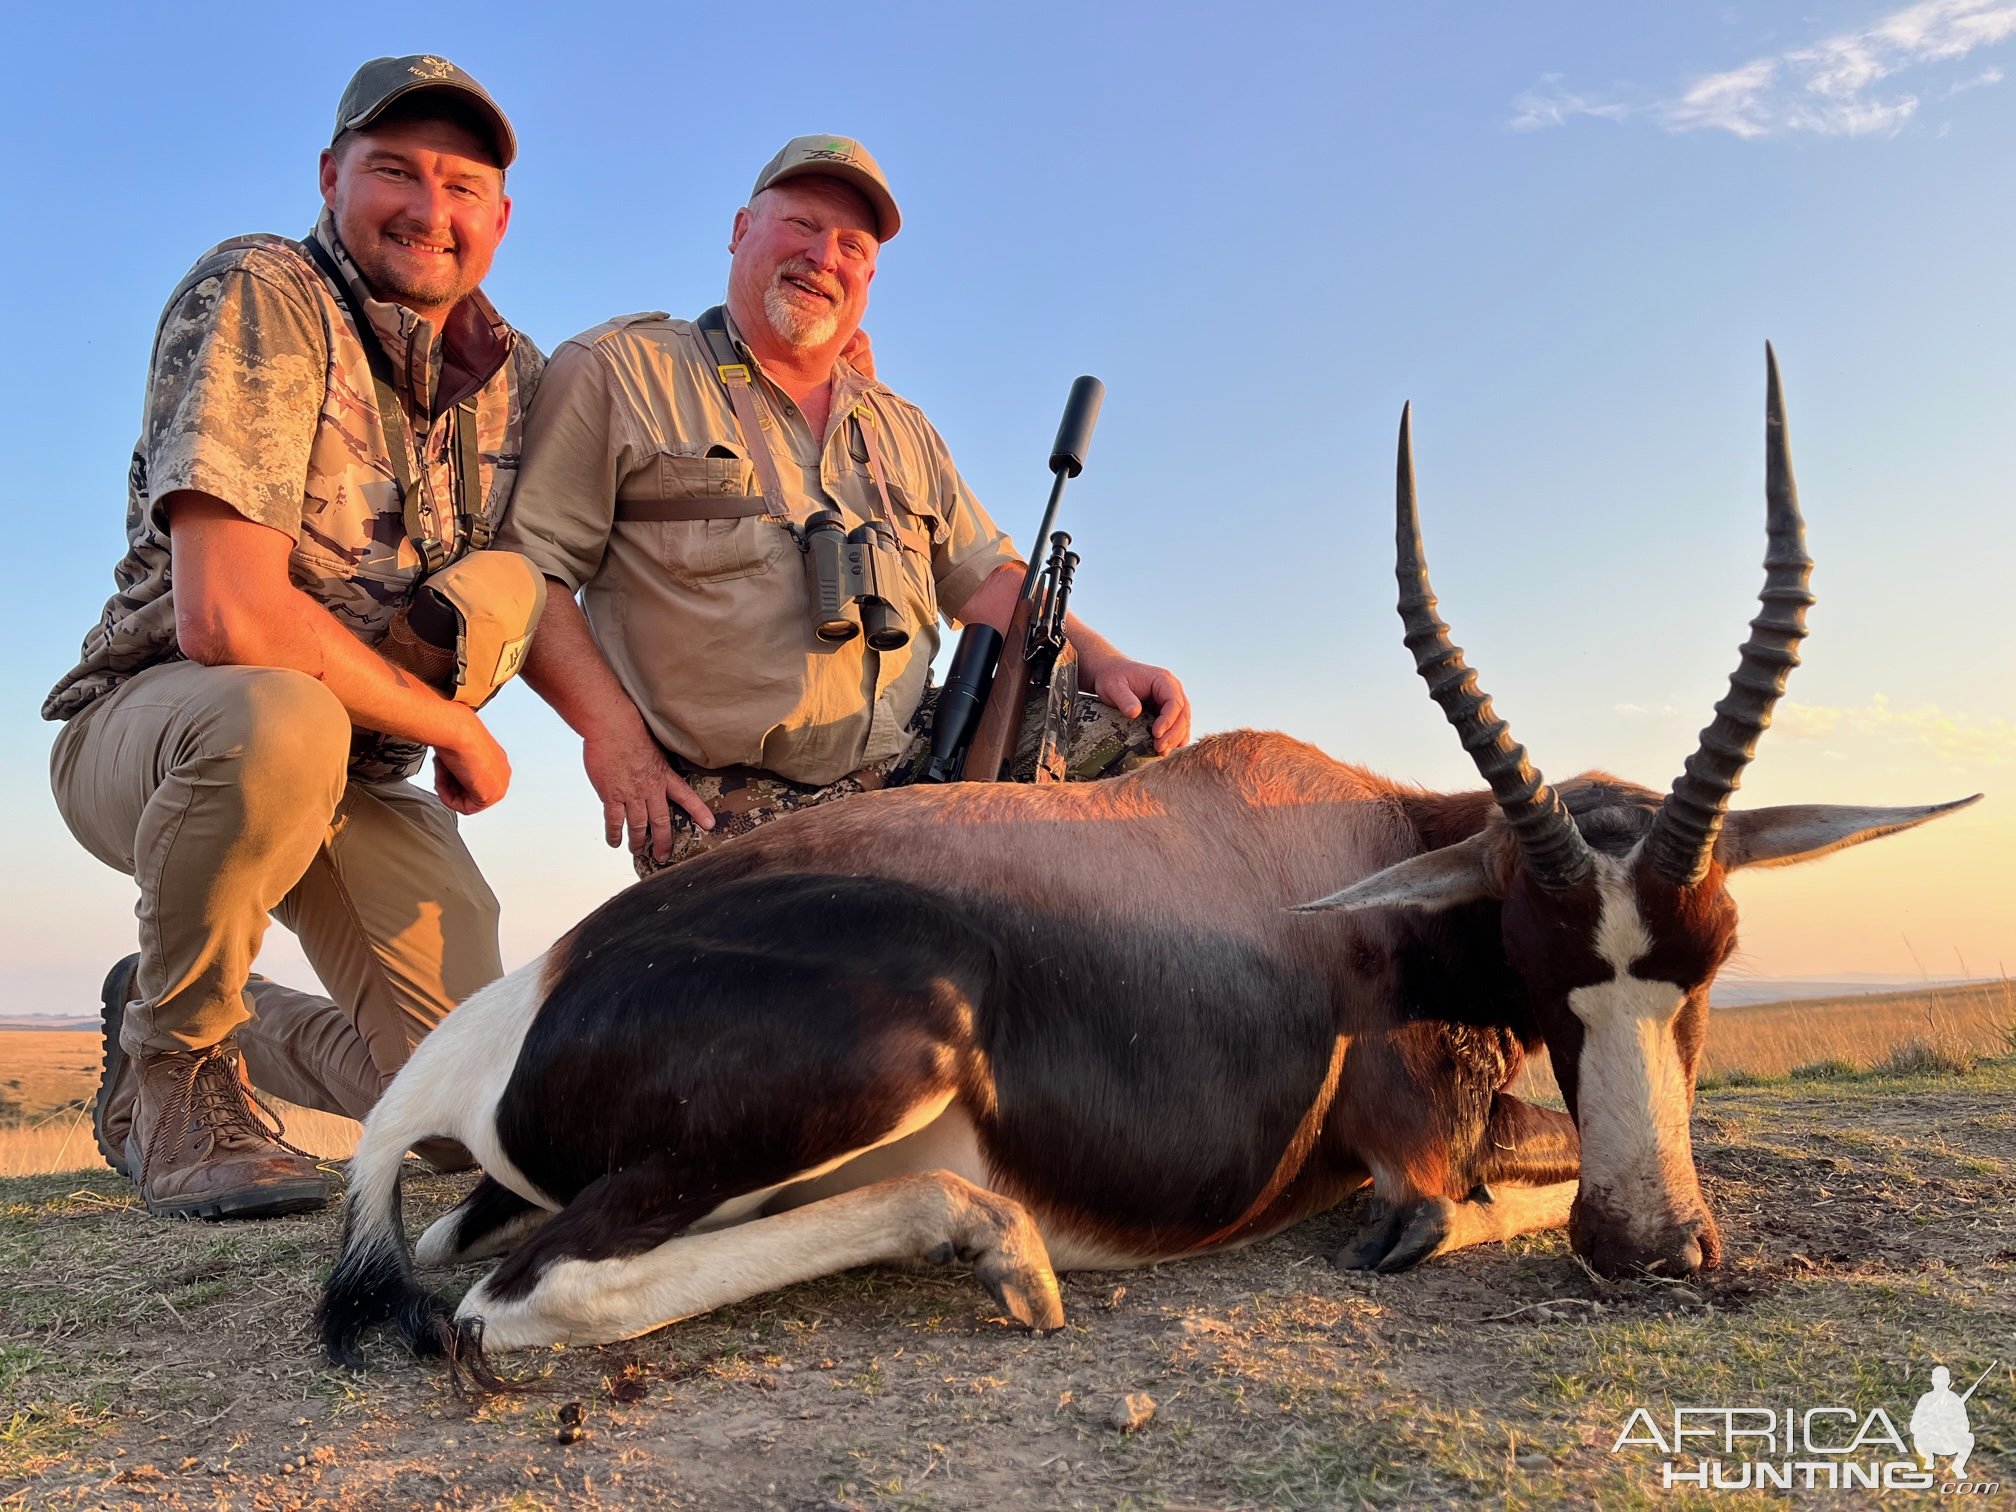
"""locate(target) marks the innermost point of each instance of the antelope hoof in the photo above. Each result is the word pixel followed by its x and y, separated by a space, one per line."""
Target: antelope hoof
pixel 1008 1257
pixel 1030 1297
pixel 1401 1237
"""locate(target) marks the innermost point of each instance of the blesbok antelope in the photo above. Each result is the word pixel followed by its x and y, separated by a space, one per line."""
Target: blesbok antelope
pixel 1100 1025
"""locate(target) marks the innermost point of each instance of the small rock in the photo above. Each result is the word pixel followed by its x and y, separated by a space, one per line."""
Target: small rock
pixel 1534 1462
pixel 1132 1412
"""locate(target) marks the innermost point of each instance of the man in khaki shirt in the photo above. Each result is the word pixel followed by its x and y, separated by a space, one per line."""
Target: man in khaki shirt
pixel 642 488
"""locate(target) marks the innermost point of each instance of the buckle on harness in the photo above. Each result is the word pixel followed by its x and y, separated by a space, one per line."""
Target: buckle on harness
pixel 733 373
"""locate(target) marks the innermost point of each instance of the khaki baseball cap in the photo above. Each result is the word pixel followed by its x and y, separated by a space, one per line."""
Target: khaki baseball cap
pixel 383 80
pixel 837 157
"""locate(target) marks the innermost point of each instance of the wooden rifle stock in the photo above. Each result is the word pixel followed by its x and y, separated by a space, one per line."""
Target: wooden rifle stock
pixel 1001 720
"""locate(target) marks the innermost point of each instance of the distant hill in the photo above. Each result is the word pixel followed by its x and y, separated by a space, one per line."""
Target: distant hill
pixel 1742 991
pixel 45 1025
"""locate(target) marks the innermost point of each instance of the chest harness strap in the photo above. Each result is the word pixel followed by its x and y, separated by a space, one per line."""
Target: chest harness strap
pixel 737 380
pixel 416 492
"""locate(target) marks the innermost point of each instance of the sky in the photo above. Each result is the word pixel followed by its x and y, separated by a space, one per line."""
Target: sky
pixel 1564 231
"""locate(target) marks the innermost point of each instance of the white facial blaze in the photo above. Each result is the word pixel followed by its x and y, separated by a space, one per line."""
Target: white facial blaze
pixel 1636 1150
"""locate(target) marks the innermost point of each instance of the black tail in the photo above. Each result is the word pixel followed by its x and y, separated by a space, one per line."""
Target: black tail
pixel 373 1280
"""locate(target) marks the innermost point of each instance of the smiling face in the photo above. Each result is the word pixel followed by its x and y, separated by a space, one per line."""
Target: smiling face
pixel 420 206
pixel 804 256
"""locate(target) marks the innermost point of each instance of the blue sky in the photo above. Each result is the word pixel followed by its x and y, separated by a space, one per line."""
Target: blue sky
pixel 1563 231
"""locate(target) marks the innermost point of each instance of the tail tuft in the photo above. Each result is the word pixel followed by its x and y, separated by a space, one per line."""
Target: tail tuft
pixel 373 1283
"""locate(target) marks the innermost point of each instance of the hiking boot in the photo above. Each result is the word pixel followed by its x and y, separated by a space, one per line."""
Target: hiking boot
pixel 199 1150
pixel 112 1110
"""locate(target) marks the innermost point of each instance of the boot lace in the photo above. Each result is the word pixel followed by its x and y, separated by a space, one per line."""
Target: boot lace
pixel 210 1100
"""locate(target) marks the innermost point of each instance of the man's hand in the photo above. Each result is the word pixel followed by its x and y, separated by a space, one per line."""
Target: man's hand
pixel 1124 685
pixel 471 772
pixel 235 605
pixel 638 788
pixel 858 355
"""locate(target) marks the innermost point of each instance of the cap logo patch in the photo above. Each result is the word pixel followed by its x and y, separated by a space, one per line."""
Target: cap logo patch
pixel 832 152
pixel 431 68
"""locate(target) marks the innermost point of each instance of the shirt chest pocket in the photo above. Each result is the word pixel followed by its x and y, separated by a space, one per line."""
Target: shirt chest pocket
pixel 919 531
pixel 708 548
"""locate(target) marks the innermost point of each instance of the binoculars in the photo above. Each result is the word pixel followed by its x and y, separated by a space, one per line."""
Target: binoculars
pixel 852 577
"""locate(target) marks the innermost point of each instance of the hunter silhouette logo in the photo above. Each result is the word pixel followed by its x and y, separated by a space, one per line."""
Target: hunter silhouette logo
pixel 1939 1421
pixel 1836 1448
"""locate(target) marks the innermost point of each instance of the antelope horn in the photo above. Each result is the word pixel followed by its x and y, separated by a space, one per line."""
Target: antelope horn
pixel 1555 852
pixel 1683 834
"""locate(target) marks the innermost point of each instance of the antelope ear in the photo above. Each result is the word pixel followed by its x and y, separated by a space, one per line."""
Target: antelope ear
pixel 1458 873
pixel 1807 831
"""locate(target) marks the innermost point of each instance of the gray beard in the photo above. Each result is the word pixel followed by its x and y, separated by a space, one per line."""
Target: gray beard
pixel 796 327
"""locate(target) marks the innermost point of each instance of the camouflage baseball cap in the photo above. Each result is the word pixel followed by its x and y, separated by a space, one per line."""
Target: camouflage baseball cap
pixel 835 157
pixel 380 82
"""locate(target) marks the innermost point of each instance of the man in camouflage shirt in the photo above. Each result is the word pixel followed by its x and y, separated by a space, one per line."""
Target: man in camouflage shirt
pixel 232 740
pixel 675 504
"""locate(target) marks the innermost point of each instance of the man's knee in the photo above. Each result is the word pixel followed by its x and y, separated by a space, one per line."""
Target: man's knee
pixel 276 726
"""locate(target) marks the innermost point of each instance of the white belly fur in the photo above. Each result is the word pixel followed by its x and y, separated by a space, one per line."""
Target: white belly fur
pixel 947 1143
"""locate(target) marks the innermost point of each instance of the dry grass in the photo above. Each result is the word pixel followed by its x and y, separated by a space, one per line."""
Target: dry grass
pixel 46 1088
pixel 1926 1031
pixel 63 1142
pixel 1871 1233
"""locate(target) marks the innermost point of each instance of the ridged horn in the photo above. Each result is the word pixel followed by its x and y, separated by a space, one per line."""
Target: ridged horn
pixel 1683 834
pixel 1555 853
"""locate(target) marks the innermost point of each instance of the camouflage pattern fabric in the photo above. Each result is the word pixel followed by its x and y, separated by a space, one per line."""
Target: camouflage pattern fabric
pixel 1101 744
pixel 259 393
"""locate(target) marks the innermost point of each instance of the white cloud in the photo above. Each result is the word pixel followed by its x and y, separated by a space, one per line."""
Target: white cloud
pixel 1981 80
pixel 1845 85
pixel 1956 739
pixel 1736 101
pixel 1550 105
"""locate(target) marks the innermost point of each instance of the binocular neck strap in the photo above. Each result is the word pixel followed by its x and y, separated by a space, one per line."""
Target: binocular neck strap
pixel 866 423
pixel 734 375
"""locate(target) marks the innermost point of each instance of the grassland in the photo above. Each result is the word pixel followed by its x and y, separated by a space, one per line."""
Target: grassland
pixel 1869 1218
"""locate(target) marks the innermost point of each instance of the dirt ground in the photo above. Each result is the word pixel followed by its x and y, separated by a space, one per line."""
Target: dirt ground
pixel 1871 1233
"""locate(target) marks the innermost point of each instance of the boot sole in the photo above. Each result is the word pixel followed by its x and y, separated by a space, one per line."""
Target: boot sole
pixel 112 995
pixel 273 1200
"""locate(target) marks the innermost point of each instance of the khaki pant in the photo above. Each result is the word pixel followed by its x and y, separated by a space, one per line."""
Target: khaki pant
pixel 222 792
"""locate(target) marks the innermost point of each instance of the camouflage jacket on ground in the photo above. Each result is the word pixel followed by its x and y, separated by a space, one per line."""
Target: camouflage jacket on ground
pixel 260 393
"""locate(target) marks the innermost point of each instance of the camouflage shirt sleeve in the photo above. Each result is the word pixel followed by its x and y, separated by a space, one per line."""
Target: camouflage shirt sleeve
pixel 234 395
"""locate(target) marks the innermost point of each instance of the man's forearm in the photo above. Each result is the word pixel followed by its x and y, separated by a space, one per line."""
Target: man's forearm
pixel 300 634
pixel 235 606
pixel 566 668
pixel 993 603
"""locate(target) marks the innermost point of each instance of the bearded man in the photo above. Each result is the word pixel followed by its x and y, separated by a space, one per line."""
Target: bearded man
pixel 671 468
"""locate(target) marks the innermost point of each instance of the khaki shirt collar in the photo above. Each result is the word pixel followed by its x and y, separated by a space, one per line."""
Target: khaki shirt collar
pixel 847 384
pixel 431 372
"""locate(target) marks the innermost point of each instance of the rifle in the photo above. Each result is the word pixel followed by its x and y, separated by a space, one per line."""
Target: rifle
pixel 991 675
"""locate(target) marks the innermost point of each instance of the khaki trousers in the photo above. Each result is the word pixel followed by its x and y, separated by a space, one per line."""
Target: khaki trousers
pixel 222 792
